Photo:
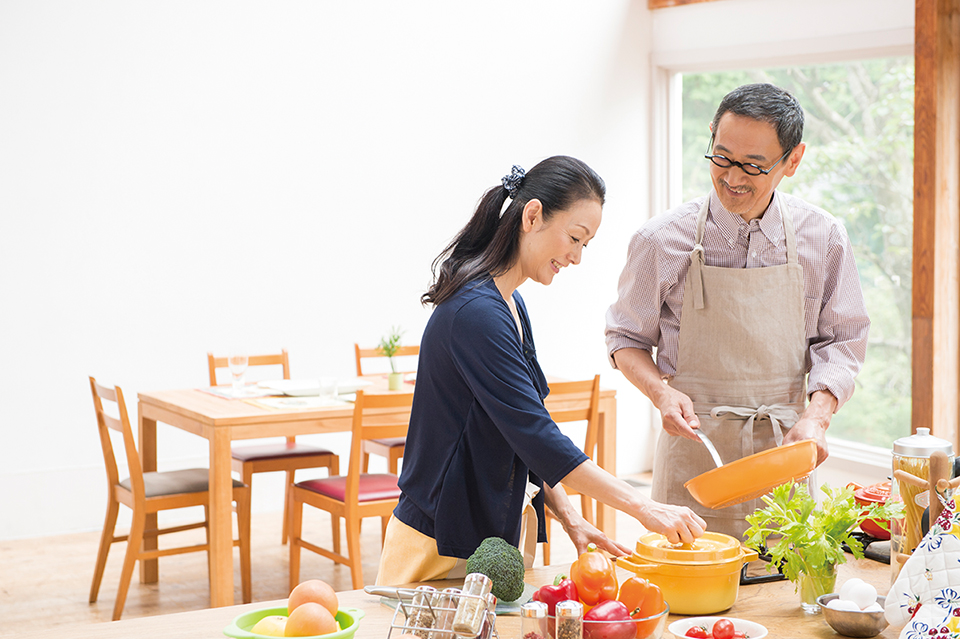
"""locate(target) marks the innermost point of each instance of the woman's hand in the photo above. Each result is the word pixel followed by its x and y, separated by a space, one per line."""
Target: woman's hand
pixel 580 531
pixel 678 524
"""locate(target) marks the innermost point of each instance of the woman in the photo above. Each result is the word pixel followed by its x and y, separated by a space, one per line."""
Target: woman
pixel 482 454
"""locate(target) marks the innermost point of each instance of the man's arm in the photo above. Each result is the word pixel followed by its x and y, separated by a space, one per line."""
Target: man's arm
pixel 676 409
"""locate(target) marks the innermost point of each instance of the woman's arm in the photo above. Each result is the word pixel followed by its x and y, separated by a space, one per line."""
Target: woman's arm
pixel 677 523
pixel 580 531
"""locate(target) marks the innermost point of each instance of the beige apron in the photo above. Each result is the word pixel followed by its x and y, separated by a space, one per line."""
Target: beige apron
pixel 742 362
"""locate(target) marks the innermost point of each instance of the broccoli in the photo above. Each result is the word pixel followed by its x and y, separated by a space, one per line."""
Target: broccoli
pixel 501 562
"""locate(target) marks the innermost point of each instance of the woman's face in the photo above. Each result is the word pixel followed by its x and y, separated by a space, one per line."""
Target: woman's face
pixel 548 246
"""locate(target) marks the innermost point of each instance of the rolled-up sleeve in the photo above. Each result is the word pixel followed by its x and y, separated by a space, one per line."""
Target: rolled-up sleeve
pixel 839 348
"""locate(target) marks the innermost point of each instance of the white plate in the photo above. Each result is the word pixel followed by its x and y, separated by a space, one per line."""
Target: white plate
pixel 293 387
pixel 352 385
pixel 751 629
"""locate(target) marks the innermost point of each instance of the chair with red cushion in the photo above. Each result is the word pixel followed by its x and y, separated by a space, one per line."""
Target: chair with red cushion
pixel 355 495
pixel 574 402
pixel 392 447
pixel 149 493
pixel 289 456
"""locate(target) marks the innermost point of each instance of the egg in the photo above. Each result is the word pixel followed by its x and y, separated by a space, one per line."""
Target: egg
pixel 874 607
pixel 843 604
pixel 862 594
pixel 847 586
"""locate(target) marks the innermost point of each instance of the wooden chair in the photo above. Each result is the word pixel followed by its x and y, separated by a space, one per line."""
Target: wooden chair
pixel 357 494
pixel 391 448
pixel 289 456
pixel 148 493
pixel 562 395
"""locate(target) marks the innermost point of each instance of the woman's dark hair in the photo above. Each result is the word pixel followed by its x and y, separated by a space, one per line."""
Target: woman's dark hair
pixel 766 103
pixel 489 243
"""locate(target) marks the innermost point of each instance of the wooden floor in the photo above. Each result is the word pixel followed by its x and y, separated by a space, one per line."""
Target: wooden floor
pixel 45 582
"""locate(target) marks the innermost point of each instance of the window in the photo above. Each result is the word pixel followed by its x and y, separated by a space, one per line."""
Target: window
pixel 858 166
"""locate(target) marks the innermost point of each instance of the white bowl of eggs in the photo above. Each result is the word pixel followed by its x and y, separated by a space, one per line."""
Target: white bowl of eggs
pixel 855 611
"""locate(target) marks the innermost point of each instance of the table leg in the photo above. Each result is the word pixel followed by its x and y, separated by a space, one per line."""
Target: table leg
pixel 147 436
pixel 221 520
pixel 607 459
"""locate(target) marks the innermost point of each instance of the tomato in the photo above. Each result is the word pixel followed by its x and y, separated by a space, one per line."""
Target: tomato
pixel 698 632
pixel 723 629
pixel 643 599
pixel 610 611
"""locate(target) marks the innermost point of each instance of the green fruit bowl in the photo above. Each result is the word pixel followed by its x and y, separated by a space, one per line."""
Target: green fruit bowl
pixel 349 619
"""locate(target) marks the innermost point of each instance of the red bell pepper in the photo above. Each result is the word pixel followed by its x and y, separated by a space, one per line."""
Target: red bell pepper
pixel 610 612
pixel 595 576
pixel 563 589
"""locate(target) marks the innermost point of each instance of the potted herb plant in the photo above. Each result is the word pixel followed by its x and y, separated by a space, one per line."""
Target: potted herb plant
pixel 810 538
pixel 390 346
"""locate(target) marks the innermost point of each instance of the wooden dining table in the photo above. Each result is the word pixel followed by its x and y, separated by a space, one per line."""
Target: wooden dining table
pixel 775 606
pixel 223 420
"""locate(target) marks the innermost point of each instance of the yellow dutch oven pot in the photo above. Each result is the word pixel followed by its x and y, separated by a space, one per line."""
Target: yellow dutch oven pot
pixel 696 579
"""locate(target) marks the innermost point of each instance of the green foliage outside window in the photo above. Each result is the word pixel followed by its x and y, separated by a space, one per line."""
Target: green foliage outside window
pixel 858 165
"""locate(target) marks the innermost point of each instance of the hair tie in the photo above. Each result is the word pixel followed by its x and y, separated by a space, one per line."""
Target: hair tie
pixel 513 181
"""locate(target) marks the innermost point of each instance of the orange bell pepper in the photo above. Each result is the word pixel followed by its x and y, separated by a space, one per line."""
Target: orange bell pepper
pixel 595 577
pixel 643 599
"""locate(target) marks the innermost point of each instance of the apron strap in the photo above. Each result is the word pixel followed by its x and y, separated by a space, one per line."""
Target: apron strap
pixel 776 414
pixel 696 275
pixel 789 233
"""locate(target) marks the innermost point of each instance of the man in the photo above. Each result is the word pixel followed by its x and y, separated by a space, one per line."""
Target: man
pixel 743 293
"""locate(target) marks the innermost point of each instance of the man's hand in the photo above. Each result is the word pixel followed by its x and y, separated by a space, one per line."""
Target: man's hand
pixel 676 413
pixel 814 422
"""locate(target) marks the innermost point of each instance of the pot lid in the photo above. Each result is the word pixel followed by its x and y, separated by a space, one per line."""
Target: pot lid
pixel 876 492
pixel 923 444
pixel 711 548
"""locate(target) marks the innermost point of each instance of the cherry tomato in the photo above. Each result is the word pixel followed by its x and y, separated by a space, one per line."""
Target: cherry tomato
pixel 698 632
pixel 723 629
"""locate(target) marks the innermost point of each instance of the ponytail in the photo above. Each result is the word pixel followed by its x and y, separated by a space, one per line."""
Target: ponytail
pixel 490 242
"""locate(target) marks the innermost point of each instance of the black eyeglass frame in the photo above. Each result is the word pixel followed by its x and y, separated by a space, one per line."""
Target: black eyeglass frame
pixel 743 166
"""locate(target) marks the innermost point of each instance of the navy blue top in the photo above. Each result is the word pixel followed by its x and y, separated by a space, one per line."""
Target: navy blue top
pixel 478 426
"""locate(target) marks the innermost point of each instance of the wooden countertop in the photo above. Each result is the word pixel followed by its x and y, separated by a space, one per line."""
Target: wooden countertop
pixel 774 605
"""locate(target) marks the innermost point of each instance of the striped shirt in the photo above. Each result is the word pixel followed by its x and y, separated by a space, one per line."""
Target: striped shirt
pixel 646 314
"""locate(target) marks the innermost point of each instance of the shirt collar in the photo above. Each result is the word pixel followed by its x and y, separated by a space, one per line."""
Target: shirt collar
pixel 732 226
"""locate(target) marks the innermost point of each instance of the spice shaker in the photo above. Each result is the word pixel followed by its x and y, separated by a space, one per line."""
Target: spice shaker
pixel 489 618
pixel 471 607
pixel 420 618
pixel 533 620
pixel 444 609
pixel 569 620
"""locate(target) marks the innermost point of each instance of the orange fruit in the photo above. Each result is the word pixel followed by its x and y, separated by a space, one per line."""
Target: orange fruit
pixel 315 591
pixel 309 619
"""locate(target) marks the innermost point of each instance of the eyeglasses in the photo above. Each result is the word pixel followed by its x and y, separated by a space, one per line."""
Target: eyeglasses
pixel 750 169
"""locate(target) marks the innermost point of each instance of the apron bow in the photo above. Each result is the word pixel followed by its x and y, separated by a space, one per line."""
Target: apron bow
pixel 776 414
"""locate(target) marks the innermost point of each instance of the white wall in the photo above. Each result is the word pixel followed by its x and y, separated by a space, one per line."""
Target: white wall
pixel 178 177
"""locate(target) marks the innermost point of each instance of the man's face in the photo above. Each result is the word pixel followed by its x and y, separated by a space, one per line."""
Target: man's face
pixel 749 141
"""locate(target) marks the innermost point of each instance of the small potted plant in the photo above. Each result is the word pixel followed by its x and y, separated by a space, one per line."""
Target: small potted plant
pixel 810 538
pixel 389 346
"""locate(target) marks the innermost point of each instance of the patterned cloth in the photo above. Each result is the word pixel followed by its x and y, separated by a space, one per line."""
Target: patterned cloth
pixel 647 312
pixel 926 595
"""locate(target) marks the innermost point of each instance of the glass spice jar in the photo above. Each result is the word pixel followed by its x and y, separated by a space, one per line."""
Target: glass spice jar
pixel 421 617
pixel 471 607
pixel 490 617
pixel 444 610
pixel 533 620
pixel 569 620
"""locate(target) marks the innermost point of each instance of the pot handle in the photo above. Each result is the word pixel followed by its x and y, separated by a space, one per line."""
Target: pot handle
pixel 628 563
pixel 748 554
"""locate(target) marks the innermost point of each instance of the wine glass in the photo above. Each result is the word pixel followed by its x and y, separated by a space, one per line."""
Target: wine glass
pixel 238 367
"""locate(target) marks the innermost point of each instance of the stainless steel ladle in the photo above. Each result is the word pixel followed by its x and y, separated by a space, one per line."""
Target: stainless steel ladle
pixel 710 447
